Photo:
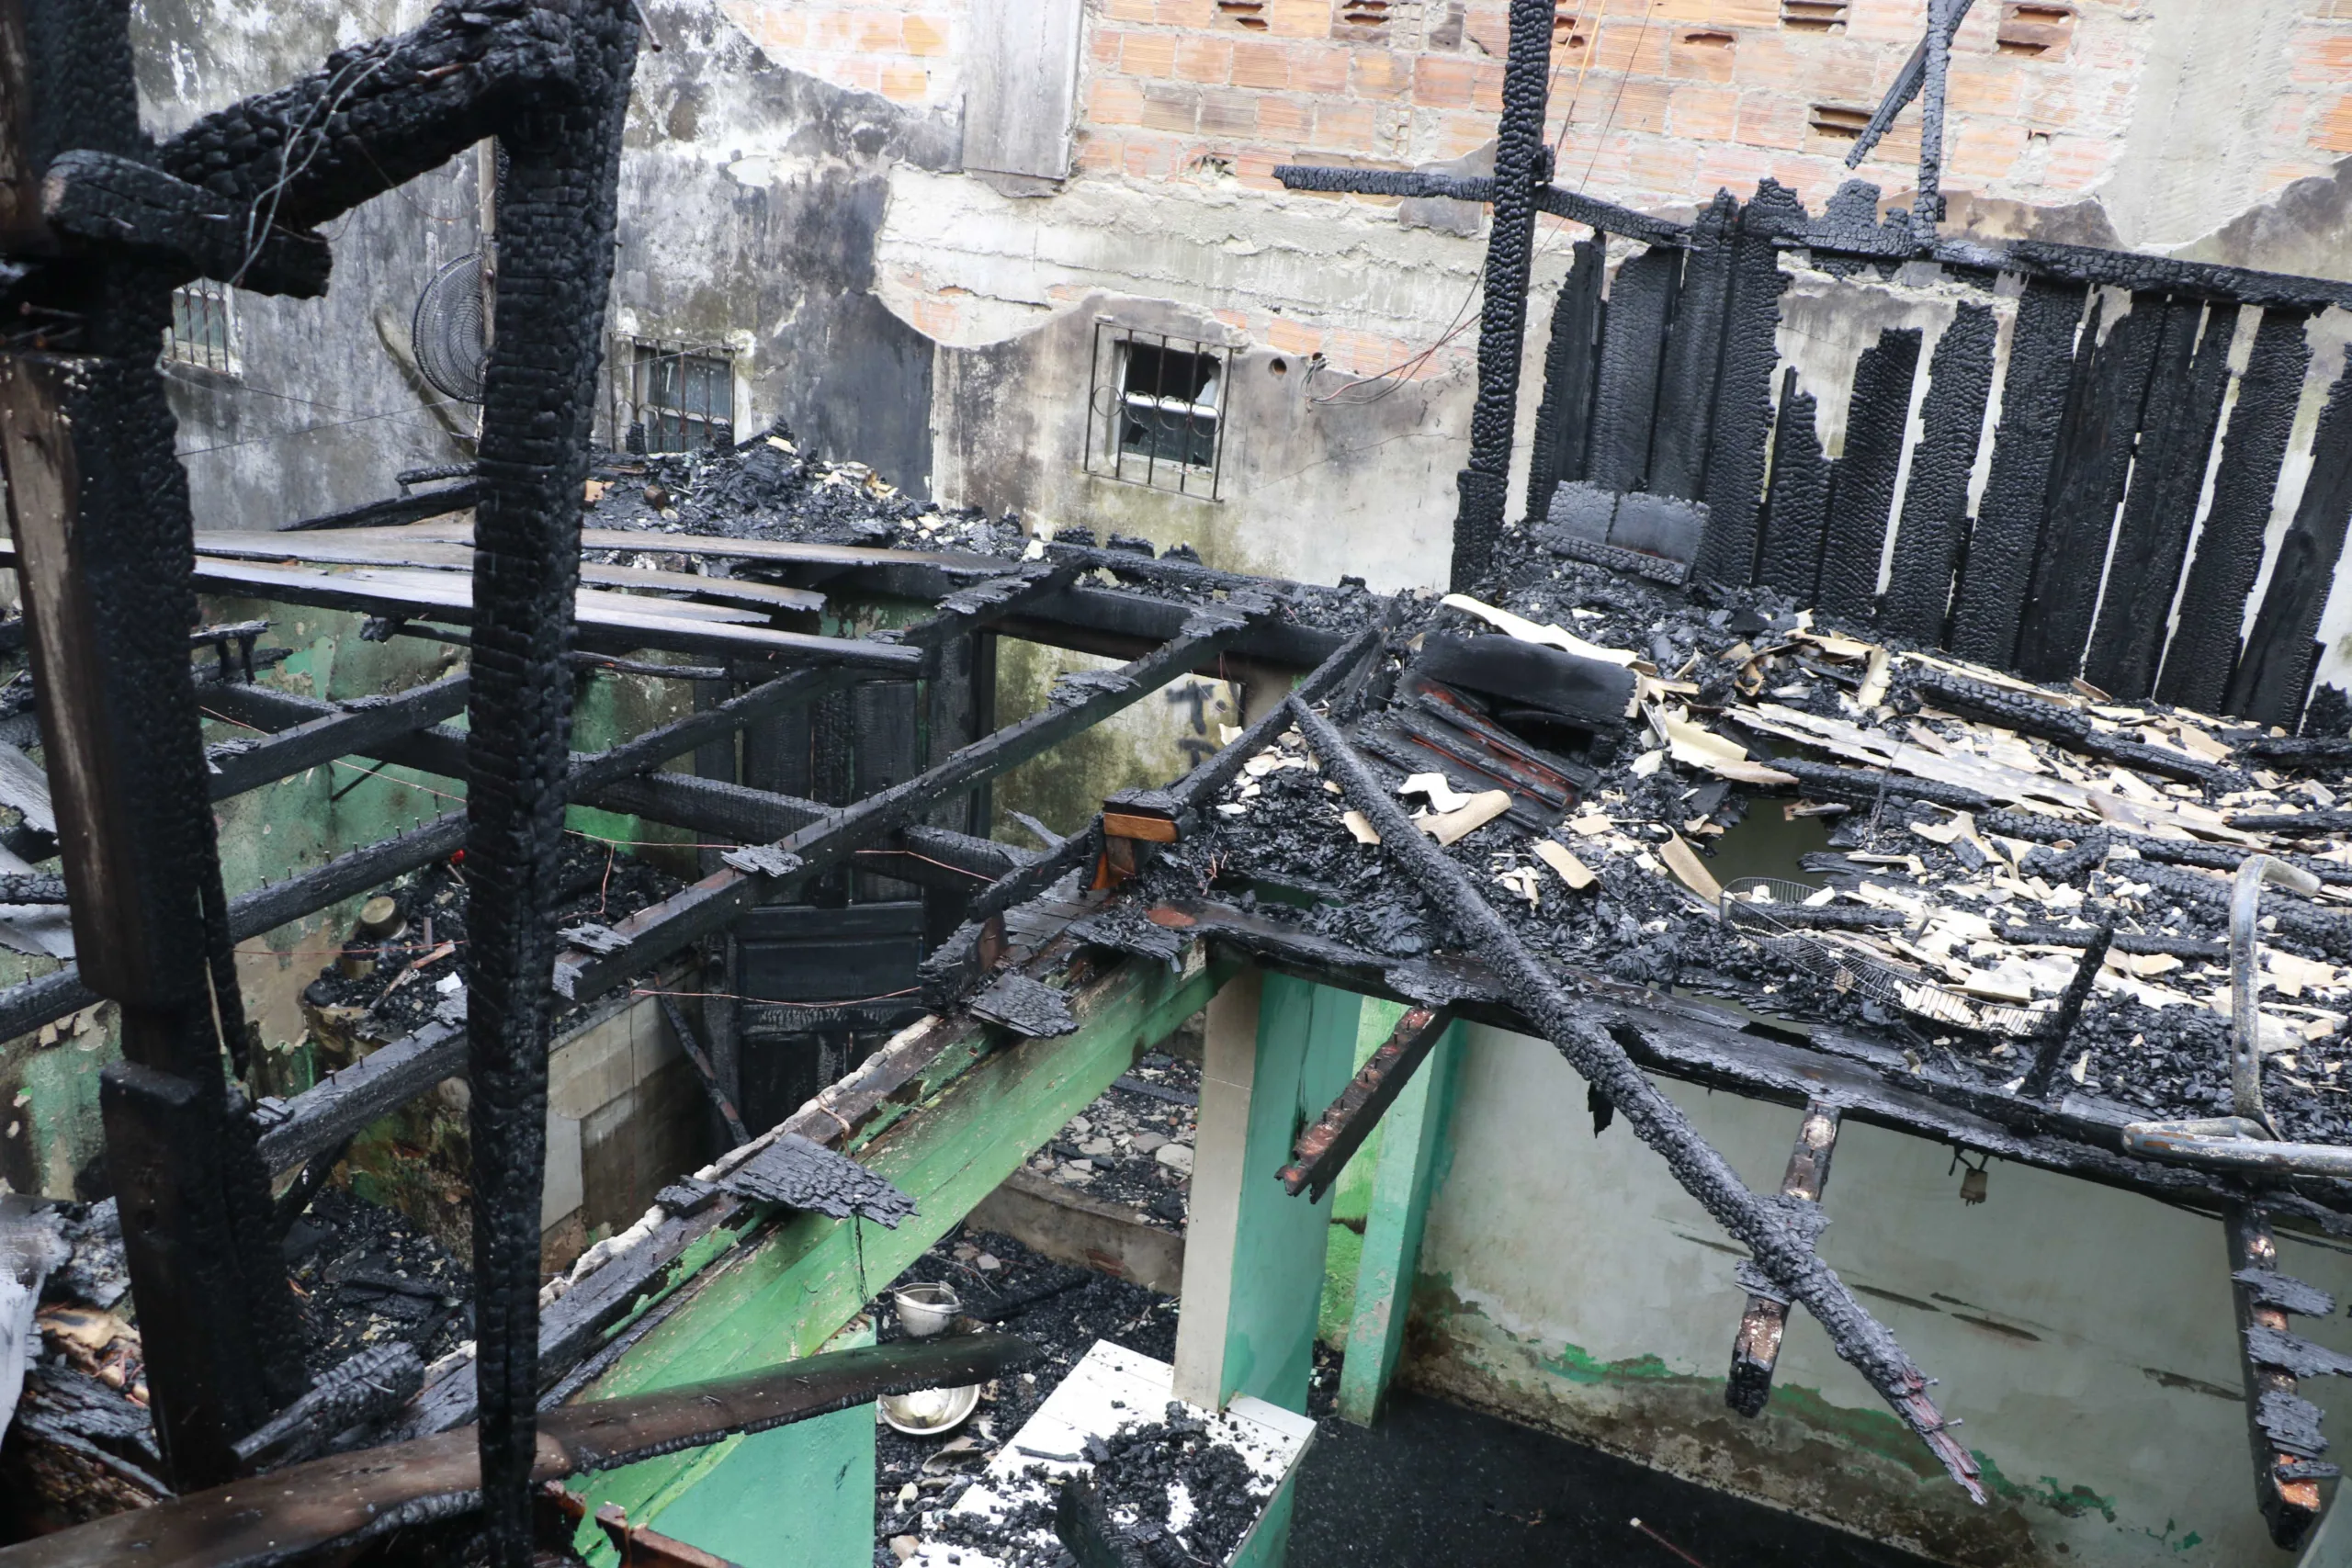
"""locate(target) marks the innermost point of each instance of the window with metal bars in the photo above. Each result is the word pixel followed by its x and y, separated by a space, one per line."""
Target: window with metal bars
pixel 1157 410
pixel 203 329
pixel 681 397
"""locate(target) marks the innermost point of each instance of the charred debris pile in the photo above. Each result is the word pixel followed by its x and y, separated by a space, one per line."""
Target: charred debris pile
pixel 1592 748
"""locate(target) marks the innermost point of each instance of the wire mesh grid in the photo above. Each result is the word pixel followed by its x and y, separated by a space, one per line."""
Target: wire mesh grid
pixel 1762 908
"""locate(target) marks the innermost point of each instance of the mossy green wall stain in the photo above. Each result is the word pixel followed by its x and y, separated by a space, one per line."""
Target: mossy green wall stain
pixel 59 1089
pixel 1343 1256
pixel 2052 1493
pixel 1141 746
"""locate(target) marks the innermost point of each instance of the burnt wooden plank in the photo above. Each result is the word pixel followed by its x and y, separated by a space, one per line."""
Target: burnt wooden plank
pixel 1563 418
pixel 2274 674
pixel 2087 471
pixel 1694 348
pixel 2177 426
pixel 1935 498
pixel 2229 548
pixel 1743 417
pixel 2008 518
pixel 1789 557
pixel 1632 345
pixel 1877 413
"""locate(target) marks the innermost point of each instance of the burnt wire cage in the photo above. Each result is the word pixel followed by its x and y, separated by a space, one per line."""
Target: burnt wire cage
pixel 1156 410
pixel 673 397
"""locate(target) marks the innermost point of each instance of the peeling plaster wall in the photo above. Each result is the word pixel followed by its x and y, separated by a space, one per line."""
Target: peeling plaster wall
pixel 324 405
pixel 2084 1335
pixel 752 200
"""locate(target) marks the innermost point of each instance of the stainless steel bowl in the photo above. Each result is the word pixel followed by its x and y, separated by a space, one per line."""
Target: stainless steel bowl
pixel 928 1412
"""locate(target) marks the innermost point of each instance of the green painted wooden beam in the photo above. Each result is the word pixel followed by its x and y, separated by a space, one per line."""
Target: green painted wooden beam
pixel 1306 1038
pixel 1412 1163
pixel 983 1110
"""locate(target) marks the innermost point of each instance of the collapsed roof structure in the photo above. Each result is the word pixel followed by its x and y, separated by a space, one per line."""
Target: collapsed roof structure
pixel 2073 844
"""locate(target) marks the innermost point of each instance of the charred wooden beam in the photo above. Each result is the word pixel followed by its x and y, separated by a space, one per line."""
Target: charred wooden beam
pixel 1078 703
pixel 350 728
pixel 394 510
pixel 2068 727
pixel 2281 1425
pixel 1587 1037
pixel 1324 1149
pixel 310 1509
pixel 977 944
pixel 1755 1349
pixel 691 1043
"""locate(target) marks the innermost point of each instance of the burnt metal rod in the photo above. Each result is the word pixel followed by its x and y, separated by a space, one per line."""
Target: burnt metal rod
pixel 655 932
pixel 1756 1348
pixel 1324 1149
pixel 1784 1249
pixel 305 1511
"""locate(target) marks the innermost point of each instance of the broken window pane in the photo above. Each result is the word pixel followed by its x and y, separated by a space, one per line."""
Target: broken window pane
pixel 683 396
pixel 1157 402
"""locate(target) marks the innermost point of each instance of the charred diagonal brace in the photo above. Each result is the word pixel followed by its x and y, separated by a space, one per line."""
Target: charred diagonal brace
pixel 811 850
pixel 1324 1149
pixel 1907 83
pixel 2067 727
pixel 691 1045
pixel 966 954
pixel 1779 1237
pixel 1756 1350
pixel 304 1511
pixel 2282 1427
pixel 2060 1029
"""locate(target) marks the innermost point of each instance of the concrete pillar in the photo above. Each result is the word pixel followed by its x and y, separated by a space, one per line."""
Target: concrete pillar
pixel 1412 1152
pixel 1277 1052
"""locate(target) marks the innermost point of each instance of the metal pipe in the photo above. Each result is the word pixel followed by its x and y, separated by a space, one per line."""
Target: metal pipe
pixel 2246 1017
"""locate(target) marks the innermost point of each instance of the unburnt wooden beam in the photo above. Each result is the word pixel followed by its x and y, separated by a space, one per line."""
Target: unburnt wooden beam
pixel 1323 1150
pixel 1755 1349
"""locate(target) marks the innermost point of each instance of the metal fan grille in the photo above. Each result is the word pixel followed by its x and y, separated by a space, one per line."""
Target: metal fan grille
pixel 448 333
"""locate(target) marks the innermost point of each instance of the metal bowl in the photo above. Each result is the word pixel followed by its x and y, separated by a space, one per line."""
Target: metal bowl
pixel 928 1412
pixel 925 1309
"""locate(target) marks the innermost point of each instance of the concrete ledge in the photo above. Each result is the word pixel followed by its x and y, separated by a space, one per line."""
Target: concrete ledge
pixel 1070 1227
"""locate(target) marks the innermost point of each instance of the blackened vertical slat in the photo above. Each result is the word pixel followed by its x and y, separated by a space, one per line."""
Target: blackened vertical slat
pixel 2087 472
pixel 1790 559
pixel 1743 419
pixel 1563 418
pixel 2229 549
pixel 1625 405
pixel 2275 673
pixel 2008 517
pixel 1694 348
pixel 1502 312
pixel 1935 498
pixel 2177 426
pixel 1877 413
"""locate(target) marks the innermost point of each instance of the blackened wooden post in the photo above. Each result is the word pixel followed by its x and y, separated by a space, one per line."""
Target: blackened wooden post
pixel 2229 546
pixel 1520 163
pixel 2274 674
pixel 1743 408
pixel 1877 413
pixel 1918 599
pixel 99 505
pixel 1564 417
pixel 2184 408
pixel 2087 471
